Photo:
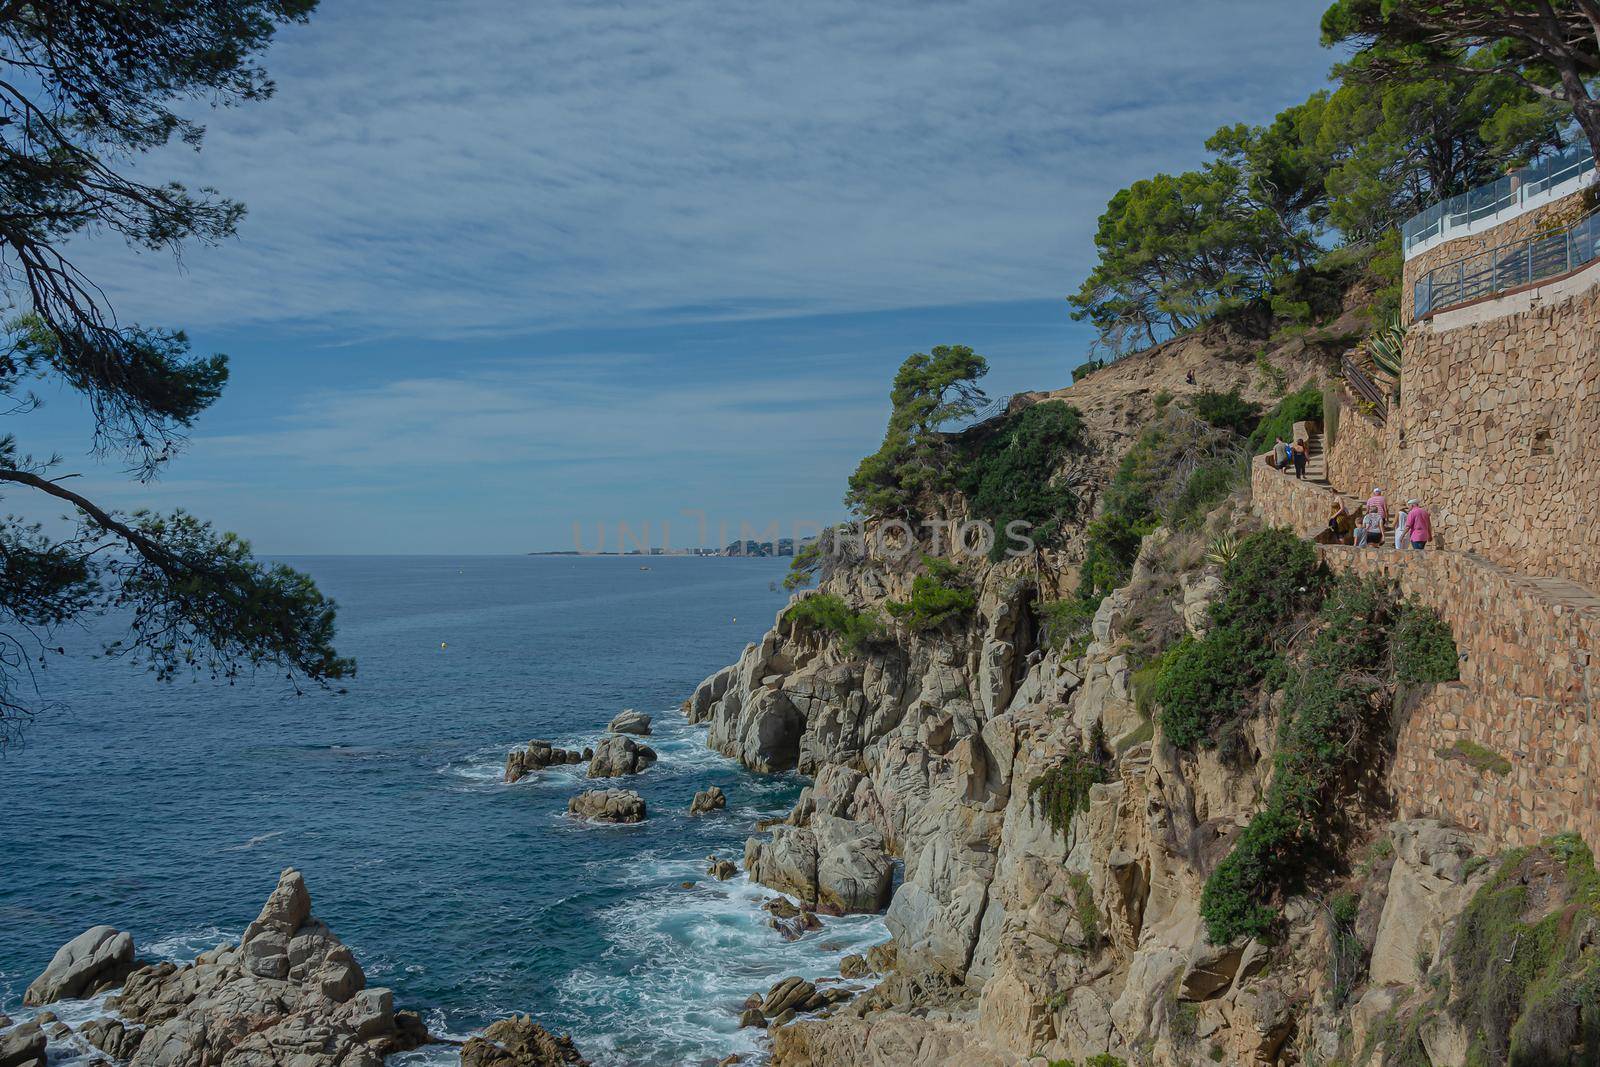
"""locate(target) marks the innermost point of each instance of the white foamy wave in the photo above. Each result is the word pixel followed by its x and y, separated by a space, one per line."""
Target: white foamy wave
pixel 184 946
pixel 679 964
pixel 254 841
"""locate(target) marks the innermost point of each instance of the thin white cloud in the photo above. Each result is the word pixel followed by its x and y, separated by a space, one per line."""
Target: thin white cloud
pixel 446 170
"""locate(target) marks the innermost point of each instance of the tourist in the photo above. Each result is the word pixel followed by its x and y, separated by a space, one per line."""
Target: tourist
pixel 1400 529
pixel 1189 377
pixel 1419 525
pixel 1338 522
pixel 1279 452
pixel 1300 454
pixel 1371 532
pixel 1379 501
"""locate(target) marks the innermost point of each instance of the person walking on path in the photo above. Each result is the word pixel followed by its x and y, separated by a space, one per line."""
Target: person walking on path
pixel 1379 501
pixel 1300 454
pixel 1400 529
pixel 1419 525
pixel 1280 454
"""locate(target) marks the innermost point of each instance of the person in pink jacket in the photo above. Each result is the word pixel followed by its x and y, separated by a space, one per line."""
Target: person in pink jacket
pixel 1419 524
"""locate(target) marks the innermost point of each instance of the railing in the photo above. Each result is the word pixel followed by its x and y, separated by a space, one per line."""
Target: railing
pixel 1509 266
pixel 1365 388
pixel 1512 191
pixel 996 406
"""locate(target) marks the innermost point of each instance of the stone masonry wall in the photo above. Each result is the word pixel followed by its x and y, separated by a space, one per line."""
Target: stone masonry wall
pixel 1551 216
pixel 1496 429
pixel 1527 695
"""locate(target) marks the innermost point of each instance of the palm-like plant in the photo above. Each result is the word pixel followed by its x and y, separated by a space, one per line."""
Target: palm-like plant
pixel 1384 346
pixel 1222 550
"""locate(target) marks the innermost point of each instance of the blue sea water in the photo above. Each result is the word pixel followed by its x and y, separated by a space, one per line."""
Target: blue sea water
pixel 168 810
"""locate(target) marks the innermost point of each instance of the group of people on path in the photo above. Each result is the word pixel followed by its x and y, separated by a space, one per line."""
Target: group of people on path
pixel 1413 524
pixel 1286 456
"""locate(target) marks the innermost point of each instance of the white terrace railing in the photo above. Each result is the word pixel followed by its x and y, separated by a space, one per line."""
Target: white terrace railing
pixel 1476 210
pixel 1510 266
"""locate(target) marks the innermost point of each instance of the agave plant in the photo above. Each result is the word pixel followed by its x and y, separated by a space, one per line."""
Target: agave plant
pixel 1384 346
pixel 1222 550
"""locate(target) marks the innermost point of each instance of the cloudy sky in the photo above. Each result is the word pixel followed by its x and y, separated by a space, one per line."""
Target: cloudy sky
pixel 508 266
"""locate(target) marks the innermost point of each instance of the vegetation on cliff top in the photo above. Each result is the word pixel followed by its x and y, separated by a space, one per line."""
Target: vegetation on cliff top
pixel 938 595
pixel 829 614
pixel 1019 474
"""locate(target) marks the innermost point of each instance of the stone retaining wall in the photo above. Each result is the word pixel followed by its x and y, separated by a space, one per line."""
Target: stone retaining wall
pixel 1527 695
pixel 1553 216
pixel 1497 426
pixel 1358 459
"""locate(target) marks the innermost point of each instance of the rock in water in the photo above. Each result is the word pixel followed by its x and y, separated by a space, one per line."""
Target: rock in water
pixel 608 805
pixel 22 1046
pixel 289 992
pixel 618 755
pixel 96 960
pixel 708 800
pixel 629 721
pixel 536 757
pixel 520 1042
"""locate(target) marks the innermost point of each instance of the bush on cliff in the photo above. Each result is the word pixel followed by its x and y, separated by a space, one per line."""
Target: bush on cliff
pixel 1016 474
pixel 1227 411
pixel 1335 713
pixel 1302 406
pixel 938 595
pixel 827 613
pixel 1424 650
pixel 1063 791
pixel 1208 682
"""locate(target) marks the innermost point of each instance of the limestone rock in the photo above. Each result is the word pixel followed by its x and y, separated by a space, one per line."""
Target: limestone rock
pixel 289 993
pixel 854 966
pixel 96 960
pixel 608 805
pixel 1427 888
pixel 835 864
pixel 708 800
pixel 520 1042
pixel 792 994
pixel 22 1046
pixel 628 721
pixel 721 869
pixel 619 755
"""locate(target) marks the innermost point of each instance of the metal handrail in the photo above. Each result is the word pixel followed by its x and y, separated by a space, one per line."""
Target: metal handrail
pixel 1507 266
pixel 1366 388
pixel 1514 189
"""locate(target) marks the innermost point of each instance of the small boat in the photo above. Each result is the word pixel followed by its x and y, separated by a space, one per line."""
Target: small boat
pixel 643 567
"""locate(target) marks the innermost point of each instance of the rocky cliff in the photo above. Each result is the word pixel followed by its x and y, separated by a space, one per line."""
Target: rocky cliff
pixel 1052 844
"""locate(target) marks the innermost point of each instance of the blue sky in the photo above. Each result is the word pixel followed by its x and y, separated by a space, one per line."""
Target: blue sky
pixel 510 266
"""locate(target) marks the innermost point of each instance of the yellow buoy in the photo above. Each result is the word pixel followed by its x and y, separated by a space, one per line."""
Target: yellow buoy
pixel 443 646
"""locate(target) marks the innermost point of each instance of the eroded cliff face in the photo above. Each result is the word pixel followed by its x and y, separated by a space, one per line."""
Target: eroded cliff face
pixel 1017 941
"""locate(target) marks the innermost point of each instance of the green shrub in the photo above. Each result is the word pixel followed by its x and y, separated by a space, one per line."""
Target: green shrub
pixel 1088 915
pixel 1207 682
pixel 1063 791
pixel 1302 406
pixel 826 613
pixel 1273 576
pixel 937 596
pixel 1162 399
pixel 1227 411
pixel 803 567
pixel 1424 649
pixel 1065 622
pixel 1083 370
pixel 1328 712
pixel 1481 759
pixel 1208 486
pixel 1015 474
pixel 1526 956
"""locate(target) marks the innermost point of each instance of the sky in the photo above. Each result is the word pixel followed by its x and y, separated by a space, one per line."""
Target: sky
pixel 509 267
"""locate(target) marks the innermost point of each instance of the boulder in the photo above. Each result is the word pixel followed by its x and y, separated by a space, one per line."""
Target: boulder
pixel 721 869
pixel 708 800
pixel 520 1042
pixel 618 755
pixel 537 756
pixel 629 721
pixel 96 960
pixel 22 1046
pixel 854 966
pixel 854 871
pixel 608 805
pixel 752 1017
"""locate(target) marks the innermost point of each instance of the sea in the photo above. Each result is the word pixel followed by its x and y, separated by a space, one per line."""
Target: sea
pixel 168 809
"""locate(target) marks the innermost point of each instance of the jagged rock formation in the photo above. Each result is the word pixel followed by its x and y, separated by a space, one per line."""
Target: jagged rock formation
pixel 617 755
pixel 708 800
pixel 608 805
pixel 520 1042
pixel 537 756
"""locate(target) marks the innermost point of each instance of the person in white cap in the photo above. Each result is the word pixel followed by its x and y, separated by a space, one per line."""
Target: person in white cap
pixel 1378 502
